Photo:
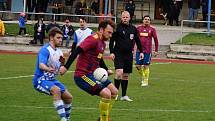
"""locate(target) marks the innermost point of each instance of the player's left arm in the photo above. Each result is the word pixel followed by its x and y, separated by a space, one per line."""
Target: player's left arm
pixel 155 42
pixel 138 43
pixel 103 65
pixel 70 60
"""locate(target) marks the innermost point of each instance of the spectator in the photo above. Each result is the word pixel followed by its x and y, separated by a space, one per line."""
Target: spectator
pixel 81 33
pixel 164 8
pixel 179 5
pixel 2 29
pixel 193 6
pixel 95 7
pixel 58 8
pixel 39 31
pixel 22 22
pixel 51 25
pixel 68 31
pixel 204 10
pixel 130 7
pixel 2 5
pixel 31 4
pixel 80 6
pixel 172 12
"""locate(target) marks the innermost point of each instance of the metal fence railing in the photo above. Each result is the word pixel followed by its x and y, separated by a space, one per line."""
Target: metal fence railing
pixel 56 16
pixel 197 27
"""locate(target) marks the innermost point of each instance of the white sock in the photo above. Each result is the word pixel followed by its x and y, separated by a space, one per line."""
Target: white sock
pixel 68 109
pixel 59 105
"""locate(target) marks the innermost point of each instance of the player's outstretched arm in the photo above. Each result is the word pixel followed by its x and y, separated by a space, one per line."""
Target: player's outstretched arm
pixel 72 57
pixel 103 65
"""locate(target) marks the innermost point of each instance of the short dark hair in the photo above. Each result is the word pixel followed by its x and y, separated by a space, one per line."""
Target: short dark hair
pixel 53 31
pixel 83 18
pixel 105 23
pixel 67 19
pixel 146 16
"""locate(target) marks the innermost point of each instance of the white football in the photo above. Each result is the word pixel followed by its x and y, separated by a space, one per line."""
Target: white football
pixel 100 74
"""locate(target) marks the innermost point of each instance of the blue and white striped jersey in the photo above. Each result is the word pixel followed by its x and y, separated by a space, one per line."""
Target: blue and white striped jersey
pixel 50 57
pixel 81 34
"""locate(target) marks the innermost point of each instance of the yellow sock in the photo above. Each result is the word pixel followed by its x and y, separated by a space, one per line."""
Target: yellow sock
pixel 146 73
pixel 104 106
pixel 113 99
pixel 141 72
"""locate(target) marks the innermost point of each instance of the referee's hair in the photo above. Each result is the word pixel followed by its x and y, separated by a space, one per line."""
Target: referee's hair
pixel 53 31
pixel 105 23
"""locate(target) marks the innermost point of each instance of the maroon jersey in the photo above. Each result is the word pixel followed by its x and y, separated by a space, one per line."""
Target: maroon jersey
pixel 146 33
pixel 88 60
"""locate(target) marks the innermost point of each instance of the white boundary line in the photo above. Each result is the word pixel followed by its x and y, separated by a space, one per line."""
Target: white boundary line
pixel 116 109
pixel 17 77
pixel 26 76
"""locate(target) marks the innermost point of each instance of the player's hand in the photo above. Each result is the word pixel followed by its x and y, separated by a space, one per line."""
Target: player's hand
pixel 112 56
pixel 141 56
pixel 51 70
pixel 110 72
pixel 155 54
pixel 62 70
pixel 62 60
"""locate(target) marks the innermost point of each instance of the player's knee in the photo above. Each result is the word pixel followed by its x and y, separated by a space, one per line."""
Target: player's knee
pixel 105 93
pixel 55 90
pixel 68 100
pixel 125 77
pixel 114 92
pixel 67 97
pixel 119 74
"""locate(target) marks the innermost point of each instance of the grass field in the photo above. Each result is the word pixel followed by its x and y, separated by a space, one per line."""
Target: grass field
pixel 198 39
pixel 177 92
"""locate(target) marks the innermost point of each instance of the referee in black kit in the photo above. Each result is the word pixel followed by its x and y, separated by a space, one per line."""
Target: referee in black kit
pixel 121 47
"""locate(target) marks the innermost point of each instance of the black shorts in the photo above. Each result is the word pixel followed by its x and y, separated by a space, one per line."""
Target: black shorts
pixel 124 61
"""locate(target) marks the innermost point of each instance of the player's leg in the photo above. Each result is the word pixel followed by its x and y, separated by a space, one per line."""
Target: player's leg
pixel 146 63
pixel 58 102
pixel 89 84
pixel 118 77
pixel 104 104
pixel 124 84
pixel 118 63
pixel 49 88
pixel 127 69
pixel 114 93
pixel 67 98
pixel 139 66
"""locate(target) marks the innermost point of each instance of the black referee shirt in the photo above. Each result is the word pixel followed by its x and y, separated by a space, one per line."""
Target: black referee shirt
pixel 124 38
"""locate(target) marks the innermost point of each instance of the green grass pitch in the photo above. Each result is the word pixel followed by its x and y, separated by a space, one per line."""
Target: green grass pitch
pixel 177 92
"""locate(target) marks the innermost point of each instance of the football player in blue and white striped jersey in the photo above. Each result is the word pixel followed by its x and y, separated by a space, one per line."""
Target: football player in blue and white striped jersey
pixel 49 60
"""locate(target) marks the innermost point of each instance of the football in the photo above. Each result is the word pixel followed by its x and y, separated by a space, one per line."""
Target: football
pixel 100 74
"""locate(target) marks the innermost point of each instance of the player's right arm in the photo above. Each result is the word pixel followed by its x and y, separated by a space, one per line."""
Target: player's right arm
pixel 46 68
pixel 43 60
pixel 111 46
